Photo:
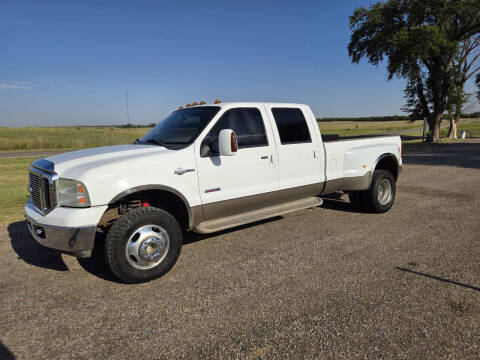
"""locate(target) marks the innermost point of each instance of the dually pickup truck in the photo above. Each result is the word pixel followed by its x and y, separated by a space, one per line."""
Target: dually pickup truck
pixel 204 168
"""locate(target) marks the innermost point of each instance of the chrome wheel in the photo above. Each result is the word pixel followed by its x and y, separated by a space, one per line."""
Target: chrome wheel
pixel 147 247
pixel 384 192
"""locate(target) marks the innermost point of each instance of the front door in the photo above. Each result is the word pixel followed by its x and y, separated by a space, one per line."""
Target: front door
pixel 230 185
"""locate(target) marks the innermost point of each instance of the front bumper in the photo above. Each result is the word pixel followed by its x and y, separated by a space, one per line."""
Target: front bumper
pixel 73 239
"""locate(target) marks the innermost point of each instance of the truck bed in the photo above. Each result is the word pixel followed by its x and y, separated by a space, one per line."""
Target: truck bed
pixel 336 137
pixel 351 159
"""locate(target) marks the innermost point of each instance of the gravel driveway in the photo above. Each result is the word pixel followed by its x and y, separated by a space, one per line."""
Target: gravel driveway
pixel 319 283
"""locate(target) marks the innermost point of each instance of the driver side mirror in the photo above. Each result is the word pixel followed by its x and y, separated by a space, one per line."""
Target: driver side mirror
pixel 227 143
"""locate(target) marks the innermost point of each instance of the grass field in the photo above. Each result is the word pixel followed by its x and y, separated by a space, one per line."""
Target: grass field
pixel 74 137
pixel 13 191
pixel 352 128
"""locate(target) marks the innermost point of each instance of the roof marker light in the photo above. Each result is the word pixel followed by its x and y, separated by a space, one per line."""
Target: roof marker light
pixel 188 105
pixel 194 103
pixel 202 102
pixel 180 107
pixel 217 101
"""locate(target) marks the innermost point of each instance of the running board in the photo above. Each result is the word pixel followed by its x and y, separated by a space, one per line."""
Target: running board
pixel 256 215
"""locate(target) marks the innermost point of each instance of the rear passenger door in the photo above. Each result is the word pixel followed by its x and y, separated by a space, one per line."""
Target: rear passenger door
pixel 300 154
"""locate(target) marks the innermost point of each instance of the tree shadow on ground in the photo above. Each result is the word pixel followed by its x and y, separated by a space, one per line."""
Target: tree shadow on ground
pixel 464 155
pixel 32 252
pixel 5 353
pixel 438 278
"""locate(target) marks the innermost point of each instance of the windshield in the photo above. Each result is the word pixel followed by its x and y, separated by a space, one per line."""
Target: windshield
pixel 180 128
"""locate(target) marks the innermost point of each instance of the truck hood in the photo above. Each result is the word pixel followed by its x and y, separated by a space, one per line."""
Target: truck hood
pixel 72 164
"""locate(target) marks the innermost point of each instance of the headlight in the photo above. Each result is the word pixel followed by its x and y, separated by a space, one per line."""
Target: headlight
pixel 72 193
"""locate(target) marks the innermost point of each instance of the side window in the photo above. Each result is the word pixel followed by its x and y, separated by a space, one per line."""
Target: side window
pixel 291 125
pixel 247 124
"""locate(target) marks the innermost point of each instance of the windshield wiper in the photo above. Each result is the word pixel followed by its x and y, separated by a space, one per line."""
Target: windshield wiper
pixel 152 140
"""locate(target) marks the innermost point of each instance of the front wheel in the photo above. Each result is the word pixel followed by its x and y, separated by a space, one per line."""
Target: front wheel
pixel 143 244
pixel 380 196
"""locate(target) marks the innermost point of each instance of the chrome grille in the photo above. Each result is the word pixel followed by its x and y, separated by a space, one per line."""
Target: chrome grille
pixel 42 190
pixel 35 190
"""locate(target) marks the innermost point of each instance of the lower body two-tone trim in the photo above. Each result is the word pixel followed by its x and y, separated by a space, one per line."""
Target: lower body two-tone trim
pixel 231 207
pixel 354 183
pixel 243 205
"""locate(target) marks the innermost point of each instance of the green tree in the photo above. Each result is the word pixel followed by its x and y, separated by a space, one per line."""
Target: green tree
pixel 421 42
pixel 464 67
pixel 477 82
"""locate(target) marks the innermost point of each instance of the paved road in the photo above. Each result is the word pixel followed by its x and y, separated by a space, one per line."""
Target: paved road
pixel 23 154
pixel 320 283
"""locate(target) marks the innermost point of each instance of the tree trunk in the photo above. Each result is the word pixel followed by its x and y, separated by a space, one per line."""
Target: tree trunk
pixel 434 128
pixel 452 130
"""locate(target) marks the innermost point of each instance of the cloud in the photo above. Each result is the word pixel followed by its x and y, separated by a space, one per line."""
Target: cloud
pixel 15 85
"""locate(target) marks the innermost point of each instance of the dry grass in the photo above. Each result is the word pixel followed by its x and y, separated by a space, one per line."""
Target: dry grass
pixel 13 191
pixel 351 128
pixel 75 137
pixel 342 125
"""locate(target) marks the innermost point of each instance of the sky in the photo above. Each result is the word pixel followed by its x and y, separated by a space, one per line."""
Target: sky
pixel 70 62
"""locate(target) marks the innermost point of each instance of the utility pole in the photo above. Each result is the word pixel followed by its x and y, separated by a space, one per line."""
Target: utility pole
pixel 128 115
pixel 126 100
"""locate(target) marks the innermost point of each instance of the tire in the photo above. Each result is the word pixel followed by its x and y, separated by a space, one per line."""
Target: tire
pixel 356 201
pixel 143 244
pixel 380 197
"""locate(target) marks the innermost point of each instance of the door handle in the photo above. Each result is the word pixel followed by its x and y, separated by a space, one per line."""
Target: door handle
pixel 264 157
pixel 181 171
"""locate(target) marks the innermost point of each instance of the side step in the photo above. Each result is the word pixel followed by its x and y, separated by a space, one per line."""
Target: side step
pixel 256 215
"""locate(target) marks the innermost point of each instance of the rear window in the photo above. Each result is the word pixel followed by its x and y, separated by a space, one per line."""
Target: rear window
pixel 292 126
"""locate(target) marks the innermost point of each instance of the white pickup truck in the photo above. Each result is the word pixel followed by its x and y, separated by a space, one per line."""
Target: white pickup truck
pixel 204 168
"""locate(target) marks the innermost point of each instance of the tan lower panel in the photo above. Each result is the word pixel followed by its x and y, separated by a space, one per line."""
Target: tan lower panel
pixel 231 207
pixel 348 183
pixel 197 216
pixel 333 186
pixel 357 182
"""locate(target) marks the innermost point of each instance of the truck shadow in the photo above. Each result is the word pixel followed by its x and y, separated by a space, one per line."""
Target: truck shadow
pixel 30 251
pixel 96 264
pixel 35 254
pixel 335 202
pixel 192 237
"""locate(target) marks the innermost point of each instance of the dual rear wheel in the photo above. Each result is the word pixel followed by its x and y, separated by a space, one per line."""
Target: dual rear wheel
pixel 379 197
